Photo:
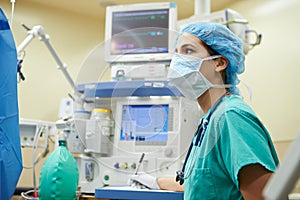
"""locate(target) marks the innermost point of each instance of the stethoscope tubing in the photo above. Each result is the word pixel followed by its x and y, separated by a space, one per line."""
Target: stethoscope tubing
pixel 199 138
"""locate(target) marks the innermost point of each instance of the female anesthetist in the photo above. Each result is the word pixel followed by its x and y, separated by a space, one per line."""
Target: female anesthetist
pixel 231 155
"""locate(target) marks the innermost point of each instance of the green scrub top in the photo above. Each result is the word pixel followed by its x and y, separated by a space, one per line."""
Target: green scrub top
pixel 234 138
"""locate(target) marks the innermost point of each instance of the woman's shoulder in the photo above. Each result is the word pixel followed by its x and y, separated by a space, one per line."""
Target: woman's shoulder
pixel 234 104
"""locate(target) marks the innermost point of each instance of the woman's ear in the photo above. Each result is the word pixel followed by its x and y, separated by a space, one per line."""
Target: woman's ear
pixel 221 63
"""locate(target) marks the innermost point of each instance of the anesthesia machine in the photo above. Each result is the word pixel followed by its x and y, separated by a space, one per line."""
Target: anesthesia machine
pixel 137 113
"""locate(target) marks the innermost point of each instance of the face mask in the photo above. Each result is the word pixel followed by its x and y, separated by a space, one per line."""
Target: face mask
pixel 185 75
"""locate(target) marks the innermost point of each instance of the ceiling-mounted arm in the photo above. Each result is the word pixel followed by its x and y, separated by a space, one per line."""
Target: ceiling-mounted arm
pixel 232 19
pixel 39 31
pixel 201 7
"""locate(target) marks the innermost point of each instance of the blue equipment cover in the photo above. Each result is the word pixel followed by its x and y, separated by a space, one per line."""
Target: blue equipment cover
pixel 10 147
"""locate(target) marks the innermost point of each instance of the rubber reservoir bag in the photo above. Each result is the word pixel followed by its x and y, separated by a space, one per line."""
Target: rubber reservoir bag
pixel 59 175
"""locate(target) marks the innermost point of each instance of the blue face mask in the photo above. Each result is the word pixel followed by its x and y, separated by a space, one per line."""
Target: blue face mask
pixel 186 76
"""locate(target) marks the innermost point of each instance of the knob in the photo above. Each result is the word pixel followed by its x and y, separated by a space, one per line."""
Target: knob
pixel 133 166
pixel 168 152
pixel 125 166
pixel 106 177
pixel 117 166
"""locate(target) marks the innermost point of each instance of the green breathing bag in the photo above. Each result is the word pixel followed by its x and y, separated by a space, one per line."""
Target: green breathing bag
pixel 59 175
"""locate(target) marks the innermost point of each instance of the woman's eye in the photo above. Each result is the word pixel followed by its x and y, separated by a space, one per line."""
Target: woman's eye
pixel 188 51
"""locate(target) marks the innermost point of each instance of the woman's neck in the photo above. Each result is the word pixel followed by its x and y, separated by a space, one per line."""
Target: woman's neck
pixel 209 98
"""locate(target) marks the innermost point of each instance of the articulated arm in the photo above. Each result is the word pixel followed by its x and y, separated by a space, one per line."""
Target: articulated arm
pixel 39 31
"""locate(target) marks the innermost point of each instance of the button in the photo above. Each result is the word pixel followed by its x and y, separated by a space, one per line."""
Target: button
pixel 133 166
pixel 106 177
pixel 117 166
pixel 125 166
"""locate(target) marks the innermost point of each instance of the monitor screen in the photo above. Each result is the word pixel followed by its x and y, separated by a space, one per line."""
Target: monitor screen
pixel 145 124
pixel 155 40
pixel 140 32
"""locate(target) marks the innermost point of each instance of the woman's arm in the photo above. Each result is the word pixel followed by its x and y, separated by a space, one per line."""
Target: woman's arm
pixel 252 180
pixel 169 184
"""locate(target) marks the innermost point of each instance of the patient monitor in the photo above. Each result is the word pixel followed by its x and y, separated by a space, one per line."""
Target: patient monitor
pixel 139 40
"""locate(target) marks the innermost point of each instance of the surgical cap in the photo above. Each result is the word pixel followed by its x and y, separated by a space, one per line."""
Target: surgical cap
pixel 224 42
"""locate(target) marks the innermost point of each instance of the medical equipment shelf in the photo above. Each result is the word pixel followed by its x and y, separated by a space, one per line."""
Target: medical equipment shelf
pixel 131 194
pixel 127 88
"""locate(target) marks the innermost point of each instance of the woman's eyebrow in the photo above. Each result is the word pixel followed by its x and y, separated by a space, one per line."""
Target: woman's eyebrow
pixel 188 45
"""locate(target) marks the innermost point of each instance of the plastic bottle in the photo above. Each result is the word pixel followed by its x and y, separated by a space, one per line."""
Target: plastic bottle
pixel 59 175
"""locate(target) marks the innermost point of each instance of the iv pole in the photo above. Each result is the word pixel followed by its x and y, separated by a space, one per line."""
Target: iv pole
pixel 39 31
